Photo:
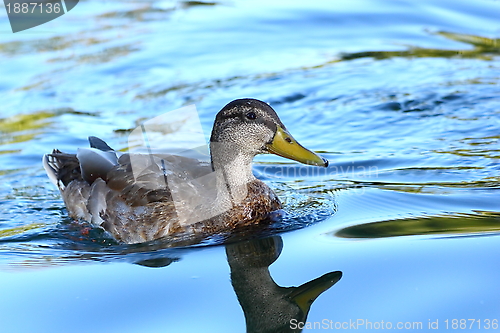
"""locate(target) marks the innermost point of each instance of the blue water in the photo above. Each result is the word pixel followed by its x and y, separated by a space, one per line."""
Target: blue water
pixel 402 97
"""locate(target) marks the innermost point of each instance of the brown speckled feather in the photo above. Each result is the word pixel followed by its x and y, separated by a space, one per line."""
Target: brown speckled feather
pixel 133 213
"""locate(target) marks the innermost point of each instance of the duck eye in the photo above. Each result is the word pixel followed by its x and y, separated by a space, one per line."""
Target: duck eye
pixel 251 115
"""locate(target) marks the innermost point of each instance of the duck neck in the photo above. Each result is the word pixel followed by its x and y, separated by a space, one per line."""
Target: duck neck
pixel 233 169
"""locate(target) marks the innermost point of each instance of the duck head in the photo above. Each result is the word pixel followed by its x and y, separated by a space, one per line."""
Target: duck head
pixel 247 127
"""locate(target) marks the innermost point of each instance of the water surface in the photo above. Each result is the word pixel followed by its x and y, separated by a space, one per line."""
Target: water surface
pixel 402 98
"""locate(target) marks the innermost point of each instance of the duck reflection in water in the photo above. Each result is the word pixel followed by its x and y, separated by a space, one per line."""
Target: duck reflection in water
pixel 267 306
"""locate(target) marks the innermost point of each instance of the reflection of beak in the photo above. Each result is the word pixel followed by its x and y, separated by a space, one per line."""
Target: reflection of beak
pixel 305 294
pixel 284 145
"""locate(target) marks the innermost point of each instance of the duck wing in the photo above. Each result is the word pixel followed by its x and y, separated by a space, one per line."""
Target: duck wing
pixel 88 164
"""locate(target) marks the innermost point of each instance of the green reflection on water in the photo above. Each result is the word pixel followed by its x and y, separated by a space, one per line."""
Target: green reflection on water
pixel 51 44
pixel 23 127
pixel 483 48
pixel 20 230
pixel 481 222
pixel 138 14
pixel 102 56
pixel 25 121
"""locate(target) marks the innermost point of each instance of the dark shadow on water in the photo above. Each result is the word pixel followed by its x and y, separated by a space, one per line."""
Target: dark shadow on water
pixel 267 306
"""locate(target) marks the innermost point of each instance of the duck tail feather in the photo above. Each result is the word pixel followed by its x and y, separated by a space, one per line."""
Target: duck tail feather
pixel 50 166
pixel 97 143
pixel 61 168
pixel 53 165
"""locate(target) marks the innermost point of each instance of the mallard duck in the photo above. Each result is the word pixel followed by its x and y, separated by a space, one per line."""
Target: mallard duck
pixel 143 197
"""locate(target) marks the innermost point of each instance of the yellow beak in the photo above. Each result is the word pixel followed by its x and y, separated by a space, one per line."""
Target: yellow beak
pixel 305 294
pixel 284 145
